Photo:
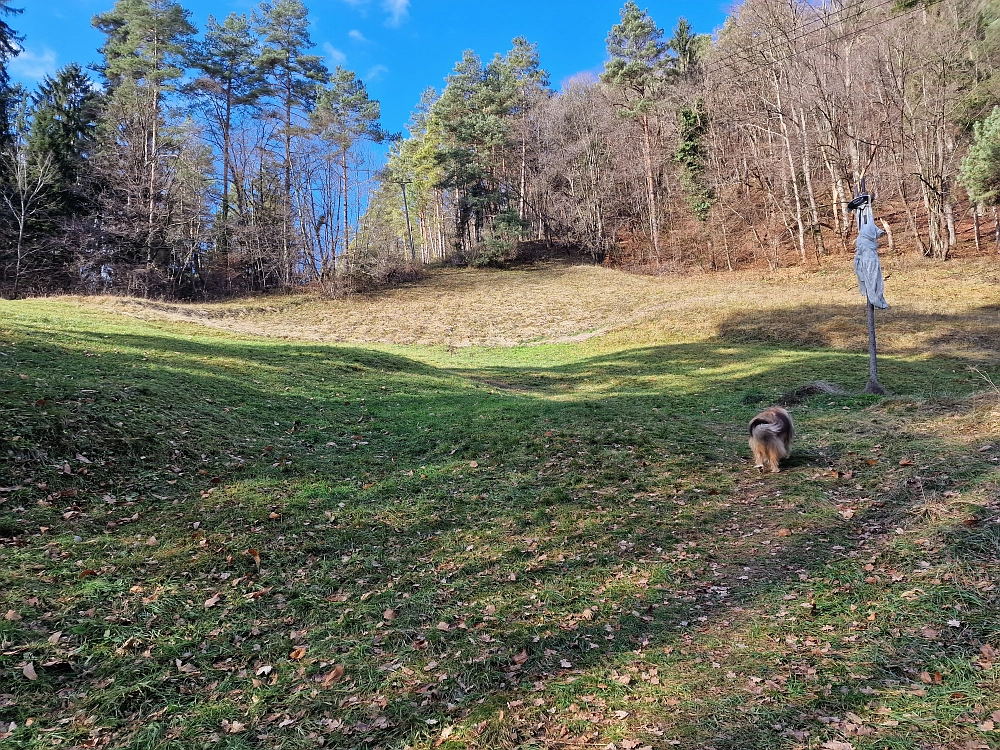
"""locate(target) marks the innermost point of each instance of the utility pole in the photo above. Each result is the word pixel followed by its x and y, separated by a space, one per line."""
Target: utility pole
pixel 406 211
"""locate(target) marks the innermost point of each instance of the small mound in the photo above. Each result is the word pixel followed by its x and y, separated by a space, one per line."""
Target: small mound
pixel 814 388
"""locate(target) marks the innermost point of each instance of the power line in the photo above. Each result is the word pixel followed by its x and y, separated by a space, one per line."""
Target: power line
pixel 842 37
pixel 824 22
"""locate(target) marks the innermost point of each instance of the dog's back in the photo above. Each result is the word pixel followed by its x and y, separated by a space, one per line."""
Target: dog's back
pixel 771 434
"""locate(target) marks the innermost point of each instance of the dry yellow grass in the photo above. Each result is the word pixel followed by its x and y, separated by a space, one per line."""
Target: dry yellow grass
pixel 935 308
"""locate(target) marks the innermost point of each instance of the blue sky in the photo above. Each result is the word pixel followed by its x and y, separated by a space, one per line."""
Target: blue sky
pixel 398 47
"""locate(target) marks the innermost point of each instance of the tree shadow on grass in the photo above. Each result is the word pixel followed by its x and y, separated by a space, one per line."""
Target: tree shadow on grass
pixel 973 335
pixel 670 471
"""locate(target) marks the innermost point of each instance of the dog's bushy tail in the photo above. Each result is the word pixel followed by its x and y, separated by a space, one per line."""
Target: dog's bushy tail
pixel 769 437
pixel 766 430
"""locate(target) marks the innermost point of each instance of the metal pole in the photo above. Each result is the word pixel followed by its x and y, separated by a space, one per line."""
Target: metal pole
pixel 409 232
pixel 873 385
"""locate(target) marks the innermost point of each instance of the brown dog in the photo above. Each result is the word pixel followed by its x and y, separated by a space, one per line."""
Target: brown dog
pixel 771 434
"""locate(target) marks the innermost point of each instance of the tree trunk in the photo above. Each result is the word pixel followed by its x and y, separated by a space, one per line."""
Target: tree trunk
pixel 226 146
pixel 975 225
pixel 347 225
pixel 910 216
pixel 153 159
pixel 524 168
pixel 949 220
pixel 20 248
pixel 996 229
pixel 888 235
pixel 791 172
pixel 817 232
pixel 647 152
pixel 286 260
pixel 725 243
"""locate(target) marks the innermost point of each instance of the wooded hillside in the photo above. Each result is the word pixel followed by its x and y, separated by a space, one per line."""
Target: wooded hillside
pixel 230 160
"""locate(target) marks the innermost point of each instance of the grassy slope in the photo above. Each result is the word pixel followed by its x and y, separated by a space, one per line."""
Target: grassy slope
pixel 552 545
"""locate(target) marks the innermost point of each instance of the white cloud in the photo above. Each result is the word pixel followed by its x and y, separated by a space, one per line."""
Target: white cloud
pixel 376 73
pixel 333 54
pixel 33 66
pixel 397 10
pixel 357 36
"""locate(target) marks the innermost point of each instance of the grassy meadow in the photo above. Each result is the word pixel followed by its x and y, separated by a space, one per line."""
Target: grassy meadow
pixel 504 509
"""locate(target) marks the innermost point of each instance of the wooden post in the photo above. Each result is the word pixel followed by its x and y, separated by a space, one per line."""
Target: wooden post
pixel 873 385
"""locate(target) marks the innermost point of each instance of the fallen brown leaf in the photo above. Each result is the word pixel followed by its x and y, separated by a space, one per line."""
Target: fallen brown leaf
pixel 332 676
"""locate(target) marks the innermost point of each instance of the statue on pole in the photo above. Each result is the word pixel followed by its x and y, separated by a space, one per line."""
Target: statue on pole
pixel 869 272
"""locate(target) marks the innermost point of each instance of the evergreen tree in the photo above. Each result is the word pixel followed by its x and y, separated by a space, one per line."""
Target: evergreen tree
pixel 9 48
pixel 532 83
pixel 147 42
pixel 468 134
pixel 8 37
pixel 343 115
pixel 414 166
pixel 230 80
pixel 65 112
pixel 65 115
pixel 293 75
pixel 980 170
pixel 686 46
pixel 144 55
pixel 639 58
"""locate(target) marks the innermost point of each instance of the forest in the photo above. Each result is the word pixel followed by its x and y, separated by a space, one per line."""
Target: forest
pixel 228 160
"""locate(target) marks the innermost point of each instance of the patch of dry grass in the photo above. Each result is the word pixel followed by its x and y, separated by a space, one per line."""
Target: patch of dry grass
pixel 948 309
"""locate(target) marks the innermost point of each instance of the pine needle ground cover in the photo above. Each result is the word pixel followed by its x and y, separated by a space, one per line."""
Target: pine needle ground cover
pixel 234 532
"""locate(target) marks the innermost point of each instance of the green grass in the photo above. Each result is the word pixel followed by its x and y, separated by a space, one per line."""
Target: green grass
pixel 535 546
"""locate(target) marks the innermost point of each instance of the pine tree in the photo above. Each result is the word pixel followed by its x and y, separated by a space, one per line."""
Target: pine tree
pixel 147 42
pixel 414 166
pixel 343 115
pixel 638 60
pixel 230 80
pixel 467 137
pixel 144 56
pixel 292 75
pixel 532 87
